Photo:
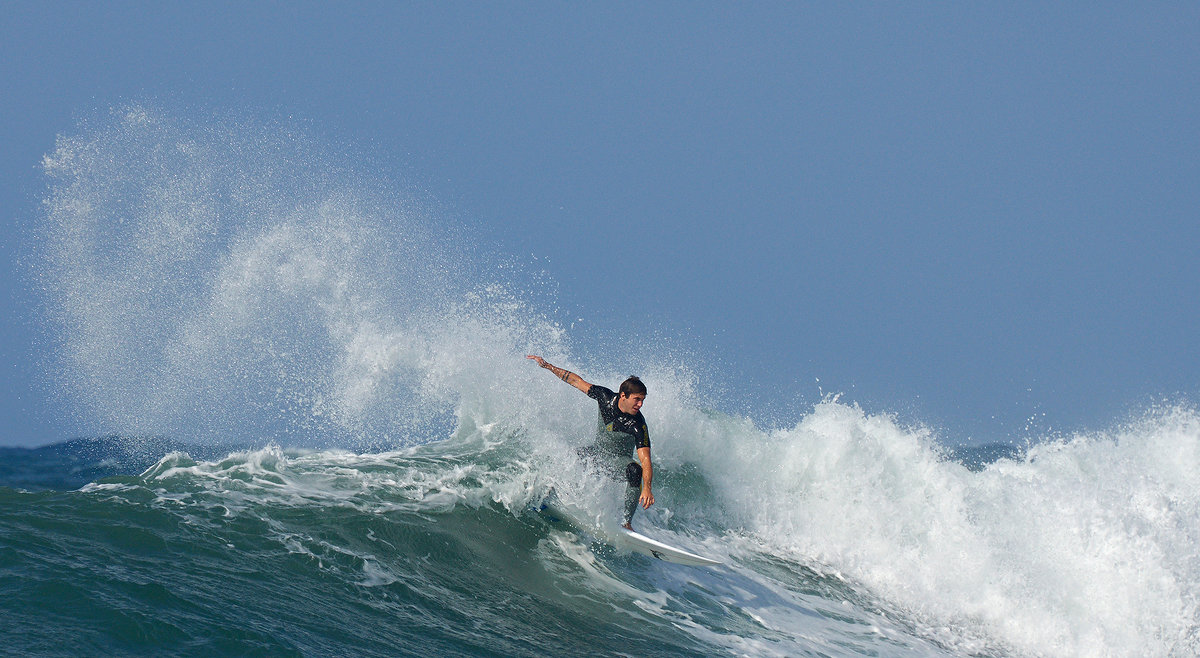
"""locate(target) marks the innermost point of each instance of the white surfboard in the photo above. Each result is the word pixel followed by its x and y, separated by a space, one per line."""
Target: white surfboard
pixel 628 539
pixel 636 541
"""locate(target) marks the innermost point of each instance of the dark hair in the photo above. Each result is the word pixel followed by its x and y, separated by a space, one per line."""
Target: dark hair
pixel 632 386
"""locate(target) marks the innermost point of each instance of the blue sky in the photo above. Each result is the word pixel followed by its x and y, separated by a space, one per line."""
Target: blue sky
pixel 979 216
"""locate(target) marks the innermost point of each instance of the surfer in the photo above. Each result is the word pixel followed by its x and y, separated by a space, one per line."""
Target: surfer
pixel 621 434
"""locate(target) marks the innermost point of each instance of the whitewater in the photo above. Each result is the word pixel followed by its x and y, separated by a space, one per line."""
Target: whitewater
pixel 356 449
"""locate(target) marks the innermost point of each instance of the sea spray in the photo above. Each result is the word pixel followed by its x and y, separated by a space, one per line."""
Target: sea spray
pixel 210 278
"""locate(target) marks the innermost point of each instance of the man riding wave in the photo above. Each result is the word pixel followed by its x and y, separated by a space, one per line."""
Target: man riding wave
pixel 622 433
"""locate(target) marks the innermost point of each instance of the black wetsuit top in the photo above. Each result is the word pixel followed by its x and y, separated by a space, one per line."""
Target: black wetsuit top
pixel 620 434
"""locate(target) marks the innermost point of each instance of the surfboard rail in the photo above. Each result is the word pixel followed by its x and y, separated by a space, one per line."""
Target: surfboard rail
pixel 640 543
pixel 629 539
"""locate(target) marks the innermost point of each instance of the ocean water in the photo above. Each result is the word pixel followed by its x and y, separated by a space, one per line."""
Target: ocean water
pixel 355 450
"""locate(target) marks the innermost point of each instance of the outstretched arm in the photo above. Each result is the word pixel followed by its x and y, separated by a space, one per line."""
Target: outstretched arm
pixel 565 375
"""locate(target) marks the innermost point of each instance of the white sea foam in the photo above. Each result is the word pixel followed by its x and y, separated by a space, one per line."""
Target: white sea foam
pixel 1082 548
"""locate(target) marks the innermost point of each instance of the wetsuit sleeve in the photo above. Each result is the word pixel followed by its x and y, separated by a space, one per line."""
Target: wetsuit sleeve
pixel 643 439
pixel 601 394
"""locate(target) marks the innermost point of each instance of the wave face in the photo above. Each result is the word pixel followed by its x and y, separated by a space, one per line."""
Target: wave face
pixel 229 286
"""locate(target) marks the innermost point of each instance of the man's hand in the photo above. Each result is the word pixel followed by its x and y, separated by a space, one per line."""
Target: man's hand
pixel 647 498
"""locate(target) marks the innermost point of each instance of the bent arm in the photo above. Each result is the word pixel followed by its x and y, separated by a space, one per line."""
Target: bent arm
pixel 647 497
pixel 565 375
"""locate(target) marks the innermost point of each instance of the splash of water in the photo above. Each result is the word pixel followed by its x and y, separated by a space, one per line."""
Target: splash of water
pixel 227 279
pixel 1081 546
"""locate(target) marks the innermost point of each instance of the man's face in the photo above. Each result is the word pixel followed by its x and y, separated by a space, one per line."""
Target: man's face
pixel 630 404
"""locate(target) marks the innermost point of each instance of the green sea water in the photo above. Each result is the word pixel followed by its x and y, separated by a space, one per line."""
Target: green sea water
pixel 273 552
